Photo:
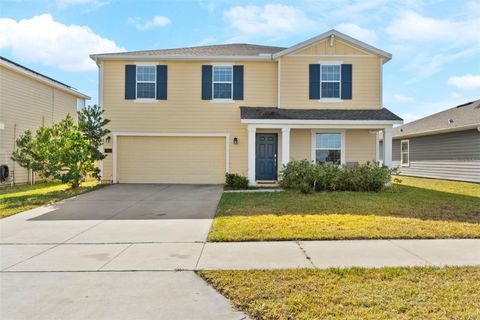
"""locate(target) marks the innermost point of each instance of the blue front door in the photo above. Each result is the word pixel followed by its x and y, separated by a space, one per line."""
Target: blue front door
pixel 266 156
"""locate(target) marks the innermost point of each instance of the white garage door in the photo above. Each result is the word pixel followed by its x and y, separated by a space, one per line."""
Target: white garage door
pixel 195 160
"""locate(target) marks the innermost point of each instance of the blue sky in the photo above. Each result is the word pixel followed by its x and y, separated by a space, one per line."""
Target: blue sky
pixel 435 44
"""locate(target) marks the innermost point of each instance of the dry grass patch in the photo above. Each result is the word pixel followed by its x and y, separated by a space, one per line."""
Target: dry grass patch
pixel 26 197
pixel 386 293
pixel 335 226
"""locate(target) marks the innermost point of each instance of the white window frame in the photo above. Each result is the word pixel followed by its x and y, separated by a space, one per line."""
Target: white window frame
pixel 154 99
pixel 331 63
pixel 213 82
pixel 407 164
pixel 314 144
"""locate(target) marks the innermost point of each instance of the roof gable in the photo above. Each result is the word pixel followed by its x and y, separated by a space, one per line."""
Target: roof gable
pixel 325 47
pixel 334 34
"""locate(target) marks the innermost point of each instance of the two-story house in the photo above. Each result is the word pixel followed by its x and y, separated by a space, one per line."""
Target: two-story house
pixel 28 100
pixel 189 115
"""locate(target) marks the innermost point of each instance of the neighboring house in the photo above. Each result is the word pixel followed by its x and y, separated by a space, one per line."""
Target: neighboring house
pixel 28 100
pixel 444 145
pixel 190 115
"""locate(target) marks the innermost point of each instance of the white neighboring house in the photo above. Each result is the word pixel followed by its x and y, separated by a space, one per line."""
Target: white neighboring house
pixel 29 99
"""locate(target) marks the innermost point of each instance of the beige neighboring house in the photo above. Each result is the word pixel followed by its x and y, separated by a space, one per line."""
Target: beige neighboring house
pixel 28 100
pixel 190 115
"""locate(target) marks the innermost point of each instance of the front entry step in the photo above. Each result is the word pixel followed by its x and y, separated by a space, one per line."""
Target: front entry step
pixel 267 184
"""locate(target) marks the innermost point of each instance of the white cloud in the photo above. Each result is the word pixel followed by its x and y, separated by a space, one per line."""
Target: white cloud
pixel 273 20
pixel 403 99
pixel 355 31
pixel 411 27
pixel 62 4
pixel 157 21
pixel 41 39
pixel 468 82
pixel 423 65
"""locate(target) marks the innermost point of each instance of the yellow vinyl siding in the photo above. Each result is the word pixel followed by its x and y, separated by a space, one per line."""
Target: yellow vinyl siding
pixel 64 104
pixel 171 159
pixel 184 111
pixel 26 104
pixel 300 144
pixel 366 83
pixel 324 48
pixel 359 146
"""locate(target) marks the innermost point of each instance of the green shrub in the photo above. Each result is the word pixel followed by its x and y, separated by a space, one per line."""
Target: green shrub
pixel 233 180
pixel 308 177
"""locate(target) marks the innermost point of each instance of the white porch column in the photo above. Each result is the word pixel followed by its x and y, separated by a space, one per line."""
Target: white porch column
pixel 251 155
pixel 387 147
pixel 285 146
pixel 377 146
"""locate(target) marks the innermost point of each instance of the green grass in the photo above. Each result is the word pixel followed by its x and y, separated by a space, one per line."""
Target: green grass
pixel 386 293
pixel 21 198
pixel 418 208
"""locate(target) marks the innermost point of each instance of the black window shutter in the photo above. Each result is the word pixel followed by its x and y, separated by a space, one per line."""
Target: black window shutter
pixel 314 92
pixel 130 81
pixel 206 82
pixel 237 82
pixel 346 81
pixel 162 75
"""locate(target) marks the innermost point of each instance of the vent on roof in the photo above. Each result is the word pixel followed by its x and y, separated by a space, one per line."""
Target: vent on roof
pixel 465 104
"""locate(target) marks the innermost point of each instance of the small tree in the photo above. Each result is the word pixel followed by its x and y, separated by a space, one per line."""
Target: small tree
pixel 92 124
pixel 65 151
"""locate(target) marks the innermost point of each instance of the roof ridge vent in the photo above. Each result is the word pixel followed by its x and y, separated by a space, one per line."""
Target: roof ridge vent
pixel 465 104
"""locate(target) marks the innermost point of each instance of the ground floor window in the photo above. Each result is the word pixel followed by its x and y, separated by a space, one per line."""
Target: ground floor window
pixel 405 152
pixel 328 148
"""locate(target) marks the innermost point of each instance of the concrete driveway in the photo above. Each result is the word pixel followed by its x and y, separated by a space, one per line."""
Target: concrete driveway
pixel 131 228
pixel 122 213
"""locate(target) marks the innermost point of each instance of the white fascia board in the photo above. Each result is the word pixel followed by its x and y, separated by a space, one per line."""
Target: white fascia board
pixel 43 80
pixel 321 122
pixel 338 34
pixel 178 58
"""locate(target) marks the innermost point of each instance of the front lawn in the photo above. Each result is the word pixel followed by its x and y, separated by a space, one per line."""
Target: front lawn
pixel 386 293
pixel 418 208
pixel 26 197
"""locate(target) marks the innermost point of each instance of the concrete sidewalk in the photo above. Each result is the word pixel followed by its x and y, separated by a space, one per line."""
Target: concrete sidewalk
pixel 237 255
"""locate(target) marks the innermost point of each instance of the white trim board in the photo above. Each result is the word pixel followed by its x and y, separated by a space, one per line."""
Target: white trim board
pixel 165 134
pixel 349 40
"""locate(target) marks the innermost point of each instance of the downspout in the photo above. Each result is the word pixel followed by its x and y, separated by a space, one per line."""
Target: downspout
pixel 279 81
pixel 100 102
pixel 381 83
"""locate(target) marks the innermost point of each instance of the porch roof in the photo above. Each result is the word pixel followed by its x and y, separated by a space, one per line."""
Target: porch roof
pixel 269 113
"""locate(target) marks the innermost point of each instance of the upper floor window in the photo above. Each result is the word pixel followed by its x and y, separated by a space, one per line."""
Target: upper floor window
pixel 330 77
pixel 146 82
pixel 222 82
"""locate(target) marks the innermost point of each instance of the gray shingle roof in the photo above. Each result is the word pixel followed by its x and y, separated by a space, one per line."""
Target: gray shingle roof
pixel 265 113
pixel 234 49
pixel 464 115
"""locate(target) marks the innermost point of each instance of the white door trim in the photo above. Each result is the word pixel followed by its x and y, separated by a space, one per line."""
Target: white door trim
pixel 166 134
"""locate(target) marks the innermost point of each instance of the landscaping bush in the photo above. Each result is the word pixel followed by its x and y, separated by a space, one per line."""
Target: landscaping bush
pixel 236 181
pixel 309 177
